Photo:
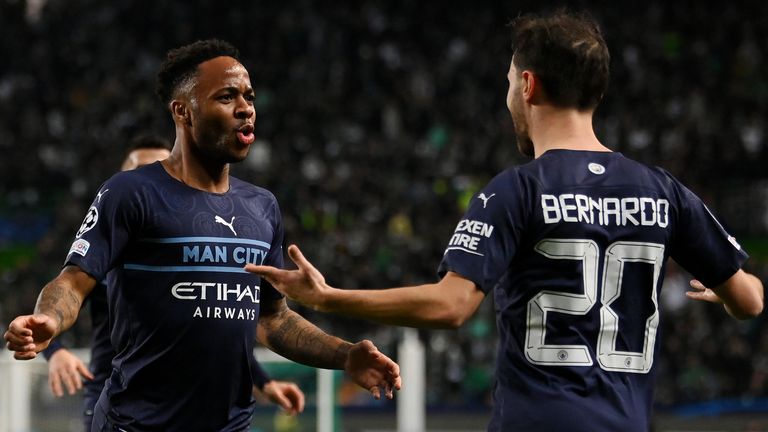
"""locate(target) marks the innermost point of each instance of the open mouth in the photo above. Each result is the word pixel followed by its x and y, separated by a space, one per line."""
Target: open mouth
pixel 245 134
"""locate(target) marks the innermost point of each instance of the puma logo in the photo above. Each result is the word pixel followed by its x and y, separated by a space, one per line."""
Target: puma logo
pixel 218 219
pixel 485 198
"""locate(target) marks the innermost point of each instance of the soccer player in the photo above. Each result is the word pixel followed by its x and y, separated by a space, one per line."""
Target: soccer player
pixel 65 369
pixel 173 237
pixel 571 245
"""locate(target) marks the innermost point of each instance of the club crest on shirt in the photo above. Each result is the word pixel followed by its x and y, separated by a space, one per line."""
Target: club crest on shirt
pixel 89 222
pixel 596 168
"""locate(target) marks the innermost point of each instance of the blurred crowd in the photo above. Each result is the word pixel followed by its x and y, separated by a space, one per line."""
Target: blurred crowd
pixel 377 122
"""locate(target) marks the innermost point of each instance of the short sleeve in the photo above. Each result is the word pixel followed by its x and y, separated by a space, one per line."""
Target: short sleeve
pixel 486 238
pixel 701 245
pixel 106 228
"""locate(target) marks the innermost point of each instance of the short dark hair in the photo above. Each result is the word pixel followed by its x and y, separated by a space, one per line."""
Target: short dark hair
pixel 567 52
pixel 181 63
pixel 148 141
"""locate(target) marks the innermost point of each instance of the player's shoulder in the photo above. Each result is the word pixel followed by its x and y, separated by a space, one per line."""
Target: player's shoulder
pixel 650 173
pixel 509 187
pixel 510 176
pixel 251 191
pixel 517 180
pixel 123 187
pixel 652 170
pixel 127 179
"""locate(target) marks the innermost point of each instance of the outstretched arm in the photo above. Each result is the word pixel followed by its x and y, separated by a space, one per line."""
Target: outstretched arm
pixel 288 334
pixel 446 304
pixel 56 310
pixel 741 295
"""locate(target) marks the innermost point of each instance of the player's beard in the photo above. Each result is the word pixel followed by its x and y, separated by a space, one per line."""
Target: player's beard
pixel 219 145
pixel 224 150
pixel 524 142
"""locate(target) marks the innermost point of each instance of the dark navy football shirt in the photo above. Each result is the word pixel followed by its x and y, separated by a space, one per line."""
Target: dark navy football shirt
pixel 573 246
pixel 102 352
pixel 183 310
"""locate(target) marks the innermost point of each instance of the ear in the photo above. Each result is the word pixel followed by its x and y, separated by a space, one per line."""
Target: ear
pixel 180 112
pixel 529 85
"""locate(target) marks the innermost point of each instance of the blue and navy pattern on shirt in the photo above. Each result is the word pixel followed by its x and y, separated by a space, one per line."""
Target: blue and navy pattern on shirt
pixel 573 246
pixel 183 310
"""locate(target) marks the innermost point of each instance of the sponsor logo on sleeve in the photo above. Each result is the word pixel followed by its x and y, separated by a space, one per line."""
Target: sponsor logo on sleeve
pixel 468 236
pixel 733 241
pixel 80 247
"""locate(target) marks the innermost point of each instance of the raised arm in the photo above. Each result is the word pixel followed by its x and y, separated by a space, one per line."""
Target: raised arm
pixel 56 310
pixel 742 295
pixel 445 304
pixel 288 334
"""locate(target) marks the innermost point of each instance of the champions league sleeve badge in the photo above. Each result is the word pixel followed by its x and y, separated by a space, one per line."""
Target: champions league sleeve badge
pixel 89 222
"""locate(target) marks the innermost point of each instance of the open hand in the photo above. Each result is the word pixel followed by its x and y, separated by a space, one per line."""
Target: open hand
pixel 372 370
pixel 65 370
pixel 305 285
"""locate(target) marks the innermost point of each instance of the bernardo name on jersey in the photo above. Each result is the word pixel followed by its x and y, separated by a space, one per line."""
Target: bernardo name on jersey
pixel 579 208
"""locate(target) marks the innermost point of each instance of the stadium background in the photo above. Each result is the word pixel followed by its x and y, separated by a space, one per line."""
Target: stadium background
pixel 376 122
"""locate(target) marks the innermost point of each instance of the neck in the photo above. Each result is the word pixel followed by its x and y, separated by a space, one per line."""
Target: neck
pixel 189 166
pixel 557 128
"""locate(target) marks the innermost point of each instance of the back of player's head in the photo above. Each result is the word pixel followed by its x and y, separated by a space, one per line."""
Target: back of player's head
pixel 145 149
pixel 149 141
pixel 568 54
pixel 180 65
